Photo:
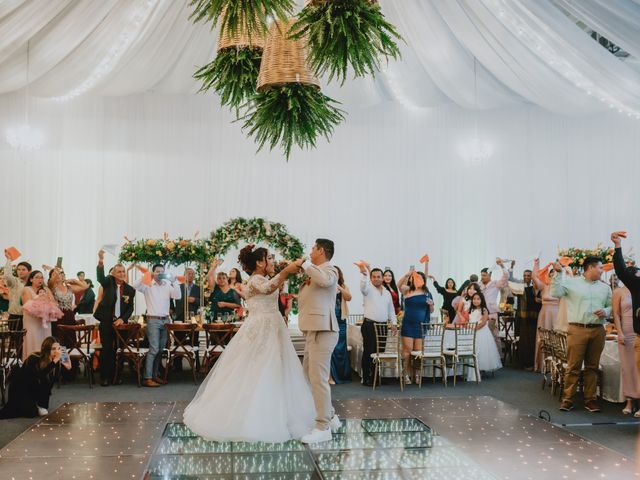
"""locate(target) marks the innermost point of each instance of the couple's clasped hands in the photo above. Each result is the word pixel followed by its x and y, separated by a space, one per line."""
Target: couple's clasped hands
pixel 293 267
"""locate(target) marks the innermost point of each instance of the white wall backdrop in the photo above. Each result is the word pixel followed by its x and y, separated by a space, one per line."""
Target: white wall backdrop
pixel 389 187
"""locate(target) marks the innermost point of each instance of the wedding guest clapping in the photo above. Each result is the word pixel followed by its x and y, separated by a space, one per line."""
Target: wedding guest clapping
pixel 418 307
pixel 378 308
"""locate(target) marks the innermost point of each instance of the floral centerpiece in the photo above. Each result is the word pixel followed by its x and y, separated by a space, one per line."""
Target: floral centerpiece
pixel 575 257
pixel 165 250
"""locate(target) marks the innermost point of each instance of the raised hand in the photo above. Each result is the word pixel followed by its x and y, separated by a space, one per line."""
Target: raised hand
pixel 101 255
pixel 616 238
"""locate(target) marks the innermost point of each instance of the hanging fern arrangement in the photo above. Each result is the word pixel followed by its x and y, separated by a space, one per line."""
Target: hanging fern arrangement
pixel 289 108
pixel 234 72
pixel 346 33
pixel 248 16
pixel 291 114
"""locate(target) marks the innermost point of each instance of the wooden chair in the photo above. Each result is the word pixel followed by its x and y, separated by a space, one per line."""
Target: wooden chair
pixel 432 353
pixel 181 345
pixel 218 336
pixel 11 343
pixel 464 353
pixel 388 350
pixel 128 336
pixel 80 337
pixel 506 333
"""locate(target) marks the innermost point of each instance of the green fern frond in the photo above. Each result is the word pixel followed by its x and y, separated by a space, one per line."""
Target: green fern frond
pixel 232 74
pixel 343 33
pixel 292 114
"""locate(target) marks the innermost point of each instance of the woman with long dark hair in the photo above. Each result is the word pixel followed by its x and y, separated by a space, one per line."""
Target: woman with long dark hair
pixel 39 309
pixel 340 364
pixel 256 390
pixel 448 292
pixel 389 282
pixel 30 385
pixel 418 306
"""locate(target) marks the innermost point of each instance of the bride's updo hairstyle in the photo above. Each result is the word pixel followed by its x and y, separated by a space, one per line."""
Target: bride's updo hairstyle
pixel 249 257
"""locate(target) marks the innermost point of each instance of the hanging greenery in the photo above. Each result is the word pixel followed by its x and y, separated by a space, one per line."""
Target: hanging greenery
pixel 343 33
pixel 293 113
pixel 236 15
pixel 232 75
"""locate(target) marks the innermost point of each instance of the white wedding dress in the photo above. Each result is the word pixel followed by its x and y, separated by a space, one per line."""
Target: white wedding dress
pixel 257 390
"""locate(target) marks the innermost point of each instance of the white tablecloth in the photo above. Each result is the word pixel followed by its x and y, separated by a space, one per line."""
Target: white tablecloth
pixel 611 374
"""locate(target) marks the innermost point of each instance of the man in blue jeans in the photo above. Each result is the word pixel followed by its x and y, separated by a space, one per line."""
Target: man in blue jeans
pixel 158 298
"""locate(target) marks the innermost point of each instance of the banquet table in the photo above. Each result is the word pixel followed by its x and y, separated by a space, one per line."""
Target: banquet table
pixel 611 373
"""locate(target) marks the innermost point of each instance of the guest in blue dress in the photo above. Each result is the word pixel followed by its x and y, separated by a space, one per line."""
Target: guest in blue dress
pixel 340 364
pixel 418 306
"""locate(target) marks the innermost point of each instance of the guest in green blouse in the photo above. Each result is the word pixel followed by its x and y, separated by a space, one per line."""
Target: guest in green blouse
pixel 224 299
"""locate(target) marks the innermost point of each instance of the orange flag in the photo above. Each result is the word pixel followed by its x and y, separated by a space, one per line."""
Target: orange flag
pixel 424 259
pixel 607 267
pixel 622 234
pixel 181 278
pixel 418 282
pixel 147 278
pixel 565 261
pixel 543 273
pixel 13 253
pixel 142 269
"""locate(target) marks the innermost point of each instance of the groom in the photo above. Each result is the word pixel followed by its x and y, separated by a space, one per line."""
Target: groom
pixel 317 321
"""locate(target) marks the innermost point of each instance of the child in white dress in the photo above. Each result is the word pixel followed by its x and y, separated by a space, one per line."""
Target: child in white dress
pixel 486 349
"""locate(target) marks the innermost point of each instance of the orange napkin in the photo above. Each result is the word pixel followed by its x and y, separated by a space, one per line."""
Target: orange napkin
pixel 13 253
pixel 607 267
pixel 565 261
pixel 418 282
pixel 622 234
pixel 181 278
pixel 424 259
pixel 543 273
pixel 147 278
pixel 142 269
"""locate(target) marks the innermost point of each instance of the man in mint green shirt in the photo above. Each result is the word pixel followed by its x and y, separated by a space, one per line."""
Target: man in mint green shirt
pixel 588 301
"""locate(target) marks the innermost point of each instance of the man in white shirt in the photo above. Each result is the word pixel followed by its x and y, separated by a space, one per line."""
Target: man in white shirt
pixel 491 291
pixel 378 308
pixel 158 298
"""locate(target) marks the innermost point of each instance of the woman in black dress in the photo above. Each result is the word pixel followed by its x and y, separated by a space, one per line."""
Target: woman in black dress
pixel 448 293
pixel 30 385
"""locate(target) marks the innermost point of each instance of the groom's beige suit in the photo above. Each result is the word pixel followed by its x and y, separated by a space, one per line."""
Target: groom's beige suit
pixel 317 321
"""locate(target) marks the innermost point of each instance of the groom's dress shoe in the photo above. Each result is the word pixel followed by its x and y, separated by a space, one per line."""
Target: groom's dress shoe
pixel 317 436
pixel 335 423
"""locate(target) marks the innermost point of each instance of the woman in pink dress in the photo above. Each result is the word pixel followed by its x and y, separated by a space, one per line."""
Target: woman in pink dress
pixel 548 315
pixel 623 319
pixel 39 310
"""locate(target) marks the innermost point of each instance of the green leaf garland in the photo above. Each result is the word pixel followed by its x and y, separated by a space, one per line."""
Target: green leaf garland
pixel 291 114
pixel 343 33
pixel 232 74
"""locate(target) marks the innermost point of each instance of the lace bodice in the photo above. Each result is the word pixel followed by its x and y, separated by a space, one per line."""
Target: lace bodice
pixel 262 295
pixel 65 300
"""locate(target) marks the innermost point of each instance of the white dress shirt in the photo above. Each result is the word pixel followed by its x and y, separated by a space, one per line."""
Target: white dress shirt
pixel 158 296
pixel 378 305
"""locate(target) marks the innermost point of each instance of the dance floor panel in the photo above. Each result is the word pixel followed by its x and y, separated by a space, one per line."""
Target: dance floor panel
pixel 478 438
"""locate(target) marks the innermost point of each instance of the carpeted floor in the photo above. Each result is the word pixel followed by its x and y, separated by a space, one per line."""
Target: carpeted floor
pixel 516 387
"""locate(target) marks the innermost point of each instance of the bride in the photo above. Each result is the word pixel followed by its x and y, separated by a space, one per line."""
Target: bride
pixel 256 391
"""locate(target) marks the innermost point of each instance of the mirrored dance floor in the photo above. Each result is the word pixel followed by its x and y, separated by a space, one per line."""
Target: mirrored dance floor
pixel 473 438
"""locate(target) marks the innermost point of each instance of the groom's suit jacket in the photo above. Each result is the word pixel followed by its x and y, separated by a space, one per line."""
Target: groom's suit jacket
pixel 317 301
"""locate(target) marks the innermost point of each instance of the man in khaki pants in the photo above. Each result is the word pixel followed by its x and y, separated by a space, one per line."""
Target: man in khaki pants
pixel 588 305
pixel 317 321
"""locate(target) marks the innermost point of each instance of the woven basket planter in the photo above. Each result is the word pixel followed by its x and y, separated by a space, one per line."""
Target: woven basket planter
pixel 239 39
pixel 284 60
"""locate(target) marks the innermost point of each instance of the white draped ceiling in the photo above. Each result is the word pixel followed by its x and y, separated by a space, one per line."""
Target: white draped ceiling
pixel 527 51
pixel 131 150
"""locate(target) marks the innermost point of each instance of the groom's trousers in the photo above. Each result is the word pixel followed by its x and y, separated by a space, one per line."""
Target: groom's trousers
pixel 318 349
